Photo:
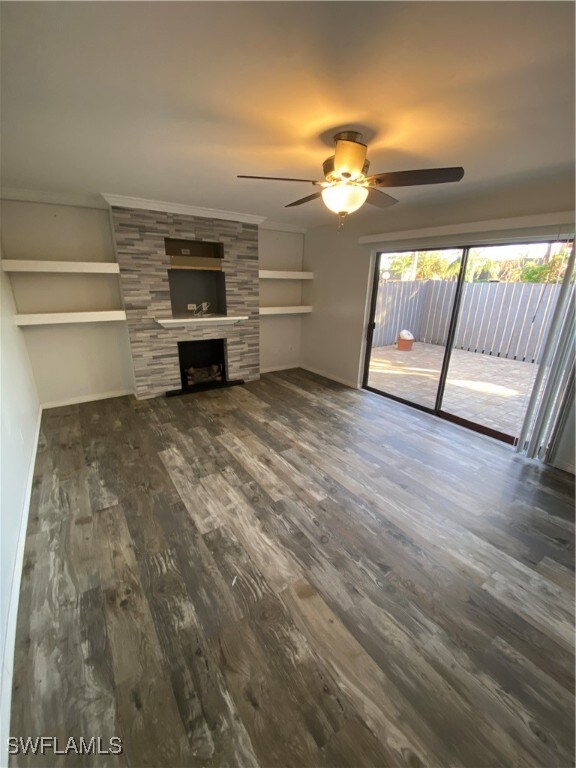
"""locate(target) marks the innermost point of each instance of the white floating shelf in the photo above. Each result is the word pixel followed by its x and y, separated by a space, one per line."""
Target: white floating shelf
pixel 60 318
pixel 183 322
pixel 77 267
pixel 285 310
pixel 270 274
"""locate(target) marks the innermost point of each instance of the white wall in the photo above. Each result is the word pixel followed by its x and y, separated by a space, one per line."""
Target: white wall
pixel 55 232
pixel 20 417
pixel 70 362
pixel 332 336
pixel 76 363
pixel 280 335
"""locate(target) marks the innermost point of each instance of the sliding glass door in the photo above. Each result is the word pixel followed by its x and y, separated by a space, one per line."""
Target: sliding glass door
pixel 508 297
pixel 475 320
pixel 414 293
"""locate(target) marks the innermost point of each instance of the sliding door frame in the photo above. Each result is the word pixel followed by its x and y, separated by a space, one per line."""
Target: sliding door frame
pixel 451 334
pixel 448 345
pixel 370 338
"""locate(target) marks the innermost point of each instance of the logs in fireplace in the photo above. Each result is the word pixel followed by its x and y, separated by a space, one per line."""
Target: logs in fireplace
pixel 203 375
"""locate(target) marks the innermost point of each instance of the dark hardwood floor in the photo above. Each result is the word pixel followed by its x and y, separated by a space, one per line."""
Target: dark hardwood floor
pixel 293 573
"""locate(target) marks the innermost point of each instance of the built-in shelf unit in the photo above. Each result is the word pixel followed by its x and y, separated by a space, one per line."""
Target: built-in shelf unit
pixel 62 267
pixel 276 274
pixel 61 318
pixel 296 310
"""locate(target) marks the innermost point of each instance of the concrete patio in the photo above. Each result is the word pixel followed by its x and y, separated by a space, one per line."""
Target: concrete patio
pixel 488 390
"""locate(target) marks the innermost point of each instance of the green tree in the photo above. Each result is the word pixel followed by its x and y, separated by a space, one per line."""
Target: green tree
pixel 511 270
pixel 435 265
pixel 551 271
pixel 423 265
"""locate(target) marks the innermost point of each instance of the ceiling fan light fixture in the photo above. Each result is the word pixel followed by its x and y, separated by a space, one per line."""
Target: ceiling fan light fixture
pixel 344 197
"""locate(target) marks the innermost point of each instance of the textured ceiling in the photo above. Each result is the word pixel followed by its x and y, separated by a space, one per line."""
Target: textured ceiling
pixel 170 101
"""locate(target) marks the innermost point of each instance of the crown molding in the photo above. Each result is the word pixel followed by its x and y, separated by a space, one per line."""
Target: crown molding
pixel 560 219
pixel 119 201
pixel 277 226
pixel 73 199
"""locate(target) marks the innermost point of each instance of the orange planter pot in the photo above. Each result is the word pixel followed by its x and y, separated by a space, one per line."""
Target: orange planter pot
pixel 405 345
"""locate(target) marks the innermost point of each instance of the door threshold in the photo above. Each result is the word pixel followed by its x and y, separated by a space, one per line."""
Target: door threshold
pixel 475 427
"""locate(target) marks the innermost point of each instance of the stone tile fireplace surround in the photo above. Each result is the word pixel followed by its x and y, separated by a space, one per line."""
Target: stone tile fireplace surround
pixel 139 238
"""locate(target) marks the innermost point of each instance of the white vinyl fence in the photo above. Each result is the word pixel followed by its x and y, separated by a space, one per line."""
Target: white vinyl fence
pixel 503 319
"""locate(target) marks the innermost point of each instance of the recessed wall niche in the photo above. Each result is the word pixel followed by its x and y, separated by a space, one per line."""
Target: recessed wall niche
pixel 197 283
pixel 197 293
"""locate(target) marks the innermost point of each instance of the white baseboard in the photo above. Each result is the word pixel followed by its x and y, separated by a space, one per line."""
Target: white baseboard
pixel 10 631
pixel 346 382
pixel 87 398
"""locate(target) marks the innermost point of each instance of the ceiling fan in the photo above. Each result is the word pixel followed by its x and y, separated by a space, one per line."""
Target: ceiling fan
pixel 346 186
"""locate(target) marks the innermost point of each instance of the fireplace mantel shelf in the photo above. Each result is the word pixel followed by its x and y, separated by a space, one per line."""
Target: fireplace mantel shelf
pixel 183 322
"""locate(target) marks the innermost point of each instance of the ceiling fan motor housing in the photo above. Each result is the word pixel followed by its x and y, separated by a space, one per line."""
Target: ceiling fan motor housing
pixel 349 160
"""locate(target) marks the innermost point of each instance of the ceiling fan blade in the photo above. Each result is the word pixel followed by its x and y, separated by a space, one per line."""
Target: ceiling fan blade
pixel 415 178
pixel 304 200
pixel 277 178
pixel 380 199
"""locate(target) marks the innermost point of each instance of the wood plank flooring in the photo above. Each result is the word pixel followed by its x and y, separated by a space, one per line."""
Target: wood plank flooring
pixel 293 573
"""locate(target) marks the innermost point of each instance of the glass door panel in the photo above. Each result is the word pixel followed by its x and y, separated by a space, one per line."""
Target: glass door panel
pixel 508 296
pixel 414 291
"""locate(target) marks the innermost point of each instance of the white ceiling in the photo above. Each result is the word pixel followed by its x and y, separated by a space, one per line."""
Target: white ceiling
pixel 171 100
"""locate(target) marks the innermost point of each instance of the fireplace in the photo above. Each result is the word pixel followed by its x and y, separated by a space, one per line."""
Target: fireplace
pixel 202 366
pixel 225 249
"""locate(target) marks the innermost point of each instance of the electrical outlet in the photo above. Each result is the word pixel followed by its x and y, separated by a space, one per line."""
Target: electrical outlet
pixel 191 307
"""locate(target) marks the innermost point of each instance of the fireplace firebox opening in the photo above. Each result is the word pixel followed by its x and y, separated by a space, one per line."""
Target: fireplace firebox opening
pixel 202 366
